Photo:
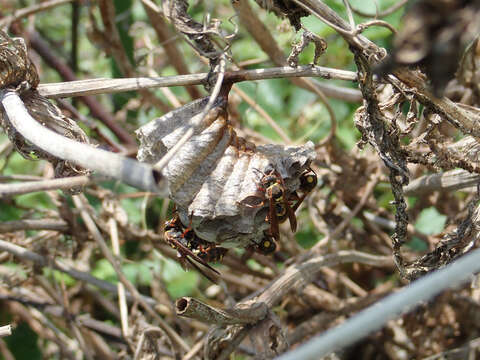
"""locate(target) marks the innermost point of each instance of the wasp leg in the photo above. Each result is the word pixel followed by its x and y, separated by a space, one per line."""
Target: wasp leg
pixel 291 217
pixel 273 219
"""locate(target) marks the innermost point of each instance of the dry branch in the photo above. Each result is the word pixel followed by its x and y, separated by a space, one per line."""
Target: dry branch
pixel 33 224
pixel 175 57
pixel 374 317
pixel 195 309
pixel 40 260
pixel 45 185
pixel 443 181
pixel 296 276
pixel 96 108
pixel 81 203
pixel 110 86
pixel 118 167
pixel 27 11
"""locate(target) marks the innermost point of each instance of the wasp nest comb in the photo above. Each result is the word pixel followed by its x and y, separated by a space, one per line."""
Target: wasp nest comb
pixel 215 178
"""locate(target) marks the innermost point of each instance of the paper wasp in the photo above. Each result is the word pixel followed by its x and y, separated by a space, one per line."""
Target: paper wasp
pixel 190 248
pixel 280 202
pixel 272 190
pixel 308 182
pixel 267 245
pixel 210 252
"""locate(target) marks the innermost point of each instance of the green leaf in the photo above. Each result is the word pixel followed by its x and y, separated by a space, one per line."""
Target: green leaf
pixel 104 270
pixel 179 282
pixel 138 273
pixel 62 277
pixel 307 237
pixel 417 244
pixel 430 221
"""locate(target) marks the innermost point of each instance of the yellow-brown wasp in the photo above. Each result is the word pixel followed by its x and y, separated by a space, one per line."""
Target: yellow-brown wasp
pixel 308 182
pixel 209 252
pixel 273 190
pixel 267 245
pixel 190 248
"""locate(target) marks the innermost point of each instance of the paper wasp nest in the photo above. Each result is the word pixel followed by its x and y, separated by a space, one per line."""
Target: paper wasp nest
pixel 215 175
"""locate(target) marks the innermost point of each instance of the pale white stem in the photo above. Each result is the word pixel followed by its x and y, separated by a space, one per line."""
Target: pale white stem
pixel 5 330
pixel 122 300
pixel 132 172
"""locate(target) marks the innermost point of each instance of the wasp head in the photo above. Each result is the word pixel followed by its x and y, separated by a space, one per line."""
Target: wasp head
pixel 275 192
pixel 267 245
pixel 308 181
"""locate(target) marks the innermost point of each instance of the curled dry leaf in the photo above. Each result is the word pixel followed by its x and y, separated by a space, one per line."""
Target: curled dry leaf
pixel 285 8
pixel 16 70
pixel 215 178
pixel 15 66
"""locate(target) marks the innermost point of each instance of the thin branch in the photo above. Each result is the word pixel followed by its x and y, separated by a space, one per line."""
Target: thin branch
pixel 97 110
pixel 297 276
pixel 338 230
pixel 154 332
pixel 175 57
pixel 19 177
pixel 116 47
pixel 45 185
pixel 44 328
pixel 5 351
pixel 267 43
pixel 263 113
pixel 122 299
pixel 30 10
pixel 376 316
pixel 305 272
pixel 443 181
pixel 38 259
pixel 362 27
pixel 462 118
pixel 81 202
pixel 33 224
pixel 194 350
pixel 349 13
pixel 332 19
pixel 110 86
pixel 132 172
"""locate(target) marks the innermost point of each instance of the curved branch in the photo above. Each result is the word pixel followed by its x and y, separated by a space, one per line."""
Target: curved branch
pixel 195 309
pixel 132 172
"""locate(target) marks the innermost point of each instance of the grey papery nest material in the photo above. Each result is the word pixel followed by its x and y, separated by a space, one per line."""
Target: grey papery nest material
pixel 216 174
